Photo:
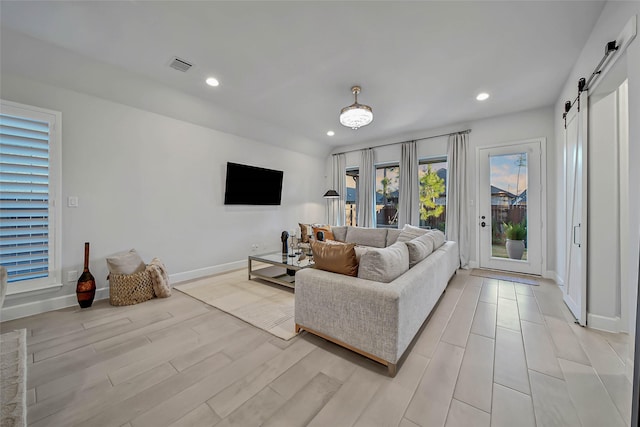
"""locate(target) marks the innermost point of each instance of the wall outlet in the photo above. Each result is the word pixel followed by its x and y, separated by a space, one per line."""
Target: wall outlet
pixel 72 275
pixel 254 247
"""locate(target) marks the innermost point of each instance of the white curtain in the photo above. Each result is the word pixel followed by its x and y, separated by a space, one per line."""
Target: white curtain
pixel 457 226
pixel 409 200
pixel 340 185
pixel 366 190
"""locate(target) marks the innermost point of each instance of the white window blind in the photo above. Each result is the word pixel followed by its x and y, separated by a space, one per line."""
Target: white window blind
pixel 24 197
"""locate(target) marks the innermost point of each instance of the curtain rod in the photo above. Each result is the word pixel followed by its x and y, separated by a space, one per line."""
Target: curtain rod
pixel 402 142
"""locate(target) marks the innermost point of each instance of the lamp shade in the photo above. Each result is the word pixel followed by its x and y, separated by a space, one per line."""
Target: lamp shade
pixel 331 194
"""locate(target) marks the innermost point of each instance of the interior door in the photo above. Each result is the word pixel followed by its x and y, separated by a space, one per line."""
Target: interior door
pixel 575 280
pixel 510 195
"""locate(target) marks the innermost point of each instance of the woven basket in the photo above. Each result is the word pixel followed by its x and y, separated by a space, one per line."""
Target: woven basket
pixel 129 289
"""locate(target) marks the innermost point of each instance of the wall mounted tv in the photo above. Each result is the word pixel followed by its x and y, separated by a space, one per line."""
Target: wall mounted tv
pixel 251 185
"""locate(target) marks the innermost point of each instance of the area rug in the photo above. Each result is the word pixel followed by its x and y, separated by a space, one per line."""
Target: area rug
pixel 268 307
pixel 502 275
pixel 13 378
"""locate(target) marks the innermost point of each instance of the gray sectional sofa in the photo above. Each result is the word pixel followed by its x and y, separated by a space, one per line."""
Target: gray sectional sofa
pixel 364 314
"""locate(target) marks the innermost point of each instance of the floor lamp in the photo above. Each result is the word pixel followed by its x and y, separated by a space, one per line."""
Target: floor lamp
pixel 330 194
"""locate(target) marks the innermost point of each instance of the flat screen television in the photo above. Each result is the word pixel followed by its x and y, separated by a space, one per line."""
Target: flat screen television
pixel 251 185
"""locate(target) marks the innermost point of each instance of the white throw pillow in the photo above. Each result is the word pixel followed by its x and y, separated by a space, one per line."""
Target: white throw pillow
pixel 410 232
pixel 384 264
pixel 438 238
pixel 128 262
pixel 419 248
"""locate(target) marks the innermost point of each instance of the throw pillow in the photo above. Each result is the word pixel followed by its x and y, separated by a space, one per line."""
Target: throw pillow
pixel 419 248
pixel 128 262
pixel 438 238
pixel 340 233
pixel 335 256
pixel 384 264
pixel 159 278
pixel 305 232
pixel 326 229
pixel 410 232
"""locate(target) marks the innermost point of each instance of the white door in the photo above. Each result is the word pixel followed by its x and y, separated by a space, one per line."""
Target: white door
pixel 510 195
pixel 575 280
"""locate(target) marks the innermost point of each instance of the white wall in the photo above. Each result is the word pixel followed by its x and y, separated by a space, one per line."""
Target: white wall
pixel 614 17
pixel 155 183
pixel 508 128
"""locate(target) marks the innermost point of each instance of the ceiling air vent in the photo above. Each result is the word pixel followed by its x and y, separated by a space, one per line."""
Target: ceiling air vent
pixel 180 64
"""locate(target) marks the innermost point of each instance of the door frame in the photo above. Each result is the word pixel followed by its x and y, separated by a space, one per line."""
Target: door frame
pixel 542 141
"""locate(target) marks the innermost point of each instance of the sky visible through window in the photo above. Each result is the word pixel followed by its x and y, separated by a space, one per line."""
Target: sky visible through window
pixel 509 172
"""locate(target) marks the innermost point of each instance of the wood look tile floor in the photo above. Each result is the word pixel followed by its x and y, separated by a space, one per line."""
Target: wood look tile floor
pixel 493 353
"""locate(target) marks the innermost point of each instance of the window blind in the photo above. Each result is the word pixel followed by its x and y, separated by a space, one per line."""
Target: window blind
pixel 24 197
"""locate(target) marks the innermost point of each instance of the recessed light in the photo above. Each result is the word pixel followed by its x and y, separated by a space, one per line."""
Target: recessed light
pixel 482 96
pixel 331 133
pixel 211 81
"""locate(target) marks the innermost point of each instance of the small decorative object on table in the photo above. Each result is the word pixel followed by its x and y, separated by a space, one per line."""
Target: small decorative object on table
pixel 86 288
pixel 284 237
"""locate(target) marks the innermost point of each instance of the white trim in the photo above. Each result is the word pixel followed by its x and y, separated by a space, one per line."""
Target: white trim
pixel 207 271
pixel 37 307
pixel 603 323
pixel 19 290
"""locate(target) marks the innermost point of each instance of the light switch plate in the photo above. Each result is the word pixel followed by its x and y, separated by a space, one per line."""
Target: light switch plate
pixel 72 201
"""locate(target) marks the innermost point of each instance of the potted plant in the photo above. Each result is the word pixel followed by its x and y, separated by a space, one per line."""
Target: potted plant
pixel 516 234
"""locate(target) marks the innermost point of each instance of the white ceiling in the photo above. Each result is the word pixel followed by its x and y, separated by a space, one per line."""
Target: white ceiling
pixel 286 68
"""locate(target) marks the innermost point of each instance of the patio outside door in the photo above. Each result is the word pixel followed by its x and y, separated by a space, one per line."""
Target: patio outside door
pixel 510 197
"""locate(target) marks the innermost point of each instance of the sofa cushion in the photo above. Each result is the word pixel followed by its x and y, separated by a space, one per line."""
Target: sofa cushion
pixel 410 232
pixel 374 237
pixel 438 238
pixel 340 233
pixel 335 256
pixel 127 262
pixel 419 248
pixel 392 236
pixel 384 264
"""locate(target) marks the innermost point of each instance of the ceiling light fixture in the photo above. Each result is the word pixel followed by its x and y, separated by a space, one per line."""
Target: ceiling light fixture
pixel 330 133
pixel 356 115
pixel 211 81
pixel 482 96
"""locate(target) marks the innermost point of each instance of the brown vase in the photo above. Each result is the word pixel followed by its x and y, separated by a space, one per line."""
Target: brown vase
pixel 86 289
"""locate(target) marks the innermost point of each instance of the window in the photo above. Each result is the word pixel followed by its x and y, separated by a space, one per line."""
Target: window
pixel 351 200
pixel 28 188
pixel 432 174
pixel 387 195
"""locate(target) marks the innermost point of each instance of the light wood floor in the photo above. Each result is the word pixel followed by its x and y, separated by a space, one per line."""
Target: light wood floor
pixel 493 353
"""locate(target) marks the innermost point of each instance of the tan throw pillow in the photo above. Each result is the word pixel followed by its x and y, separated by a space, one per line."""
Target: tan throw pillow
pixel 335 256
pixel 125 263
pixel 328 234
pixel 305 232
pixel 385 264
pixel 159 278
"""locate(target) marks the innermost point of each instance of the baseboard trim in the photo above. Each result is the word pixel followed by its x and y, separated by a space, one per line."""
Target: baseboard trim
pixel 603 323
pixel 558 278
pixel 50 304
pixel 207 271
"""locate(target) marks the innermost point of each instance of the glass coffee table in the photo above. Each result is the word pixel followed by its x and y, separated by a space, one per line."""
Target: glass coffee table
pixel 281 268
